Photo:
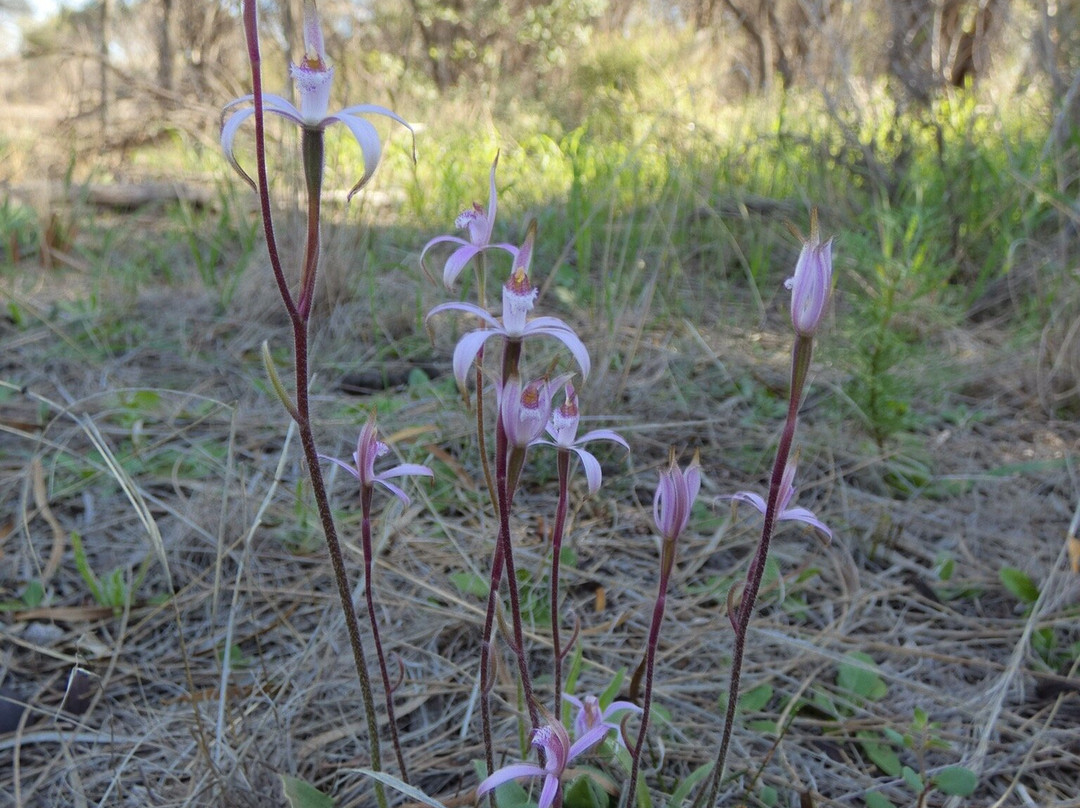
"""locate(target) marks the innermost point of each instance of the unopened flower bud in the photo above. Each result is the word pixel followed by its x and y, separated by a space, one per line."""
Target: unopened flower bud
pixel 811 285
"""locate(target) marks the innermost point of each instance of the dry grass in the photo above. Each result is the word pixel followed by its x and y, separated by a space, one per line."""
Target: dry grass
pixel 200 485
pixel 206 492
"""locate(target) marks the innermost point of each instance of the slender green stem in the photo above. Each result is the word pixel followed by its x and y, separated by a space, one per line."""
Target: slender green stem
pixel 312 147
pixel 800 364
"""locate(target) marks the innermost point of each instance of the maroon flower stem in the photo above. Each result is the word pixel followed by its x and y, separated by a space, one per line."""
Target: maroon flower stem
pixel 251 31
pixel 505 501
pixel 481 437
pixel 800 363
pixel 485 661
pixel 388 690
pixel 511 359
pixel 563 462
pixel 667 561
pixel 300 411
pixel 508 464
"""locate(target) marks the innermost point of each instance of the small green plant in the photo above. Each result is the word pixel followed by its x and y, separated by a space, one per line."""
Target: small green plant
pixel 116 590
pixel 1050 643
pixel 18 230
pixel 33 595
pixel 921 738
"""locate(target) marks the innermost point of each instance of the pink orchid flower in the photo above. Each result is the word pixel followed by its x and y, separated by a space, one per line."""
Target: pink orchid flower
pixel 563 428
pixel 784 511
pixel 518 299
pixel 479 224
pixel 525 410
pixel 312 79
pixel 368 448
pixel 589 715
pixel 558 754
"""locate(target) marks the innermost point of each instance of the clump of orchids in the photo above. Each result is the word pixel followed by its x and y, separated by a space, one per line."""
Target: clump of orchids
pixel 531 412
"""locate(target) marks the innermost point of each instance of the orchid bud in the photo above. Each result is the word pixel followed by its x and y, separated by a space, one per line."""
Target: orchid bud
pixel 675 495
pixel 811 285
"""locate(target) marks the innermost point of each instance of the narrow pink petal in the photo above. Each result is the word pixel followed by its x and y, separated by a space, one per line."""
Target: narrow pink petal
pixel 279 105
pixel 807 516
pixel 587 741
pixel 313 36
pixel 393 489
pixel 567 337
pixel 604 434
pixel 370 147
pixel 469 308
pixel 440 240
pixel 693 483
pixel 619 706
pixel 456 262
pixel 406 470
pixel 349 467
pixel 467 349
pixel 574 700
pixel 548 792
pixel 228 134
pixel 751 498
pixel 591 466
pixel 375 109
pixel 508 773
pixel 550 322
pixel 493 202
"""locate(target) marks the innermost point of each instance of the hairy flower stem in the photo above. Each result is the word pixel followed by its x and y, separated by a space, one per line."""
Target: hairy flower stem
pixel 505 501
pixel 511 360
pixel 251 32
pixel 300 411
pixel 485 661
pixel 481 436
pixel 388 690
pixel 800 364
pixel 667 561
pixel 563 462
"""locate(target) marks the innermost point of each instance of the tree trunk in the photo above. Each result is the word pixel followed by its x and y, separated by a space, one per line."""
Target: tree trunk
pixel 165 46
pixel 103 67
